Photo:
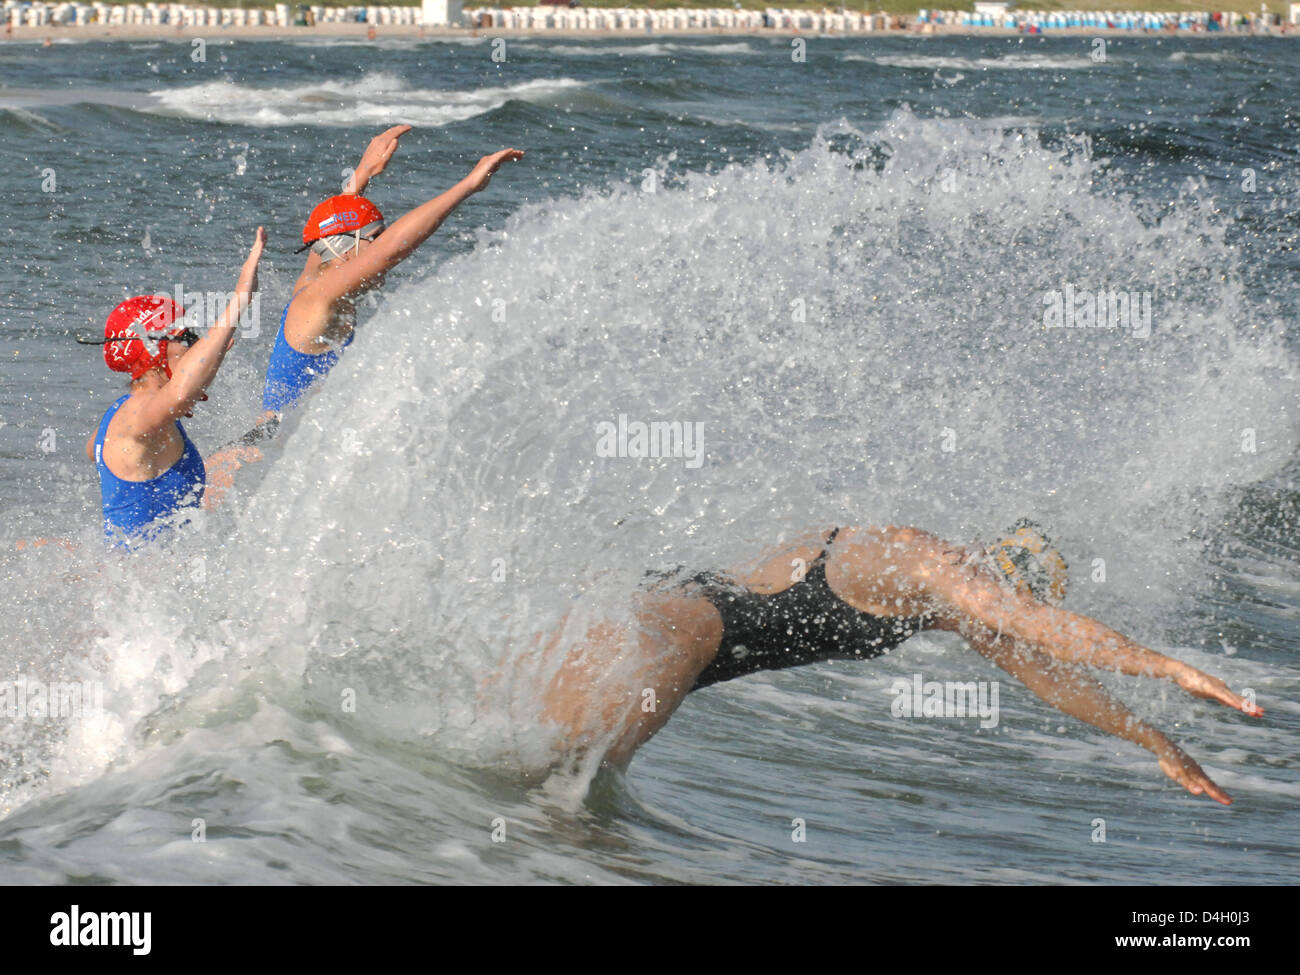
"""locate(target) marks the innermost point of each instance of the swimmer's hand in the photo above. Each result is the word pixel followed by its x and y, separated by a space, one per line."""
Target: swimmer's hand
pixel 375 158
pixel 221 468
pixel 248 273
pixel 1200 684
pixel 244 287
pixel 481 174
pixel 1180 767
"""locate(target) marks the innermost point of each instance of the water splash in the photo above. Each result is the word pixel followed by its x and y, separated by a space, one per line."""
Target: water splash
pixel 857 325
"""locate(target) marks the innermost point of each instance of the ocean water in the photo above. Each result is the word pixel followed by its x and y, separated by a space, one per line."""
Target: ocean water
pixel 839 267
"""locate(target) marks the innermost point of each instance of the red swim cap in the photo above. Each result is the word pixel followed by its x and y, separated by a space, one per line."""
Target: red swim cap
pixel 343 214
pixel 144 317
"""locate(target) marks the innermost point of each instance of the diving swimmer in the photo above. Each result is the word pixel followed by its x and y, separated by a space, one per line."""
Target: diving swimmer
pixel 352 248
pixel 855 593
pixel 149 469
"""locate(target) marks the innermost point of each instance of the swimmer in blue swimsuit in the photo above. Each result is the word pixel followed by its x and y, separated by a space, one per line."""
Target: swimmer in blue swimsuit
pixel 140 510
pixel 149 469
pixel 849 594
pixel 348 258
pixel 290 373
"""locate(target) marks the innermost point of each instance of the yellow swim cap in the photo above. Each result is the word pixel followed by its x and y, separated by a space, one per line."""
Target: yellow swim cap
pixel 1031 563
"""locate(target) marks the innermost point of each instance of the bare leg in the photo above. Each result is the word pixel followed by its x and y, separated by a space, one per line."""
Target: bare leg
pixel 620 683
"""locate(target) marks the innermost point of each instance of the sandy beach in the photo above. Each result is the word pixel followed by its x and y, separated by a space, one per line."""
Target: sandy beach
pixel 105 32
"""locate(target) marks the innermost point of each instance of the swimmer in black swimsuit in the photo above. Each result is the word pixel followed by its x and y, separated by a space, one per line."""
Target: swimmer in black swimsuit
pixel 803 624
pixel 855 593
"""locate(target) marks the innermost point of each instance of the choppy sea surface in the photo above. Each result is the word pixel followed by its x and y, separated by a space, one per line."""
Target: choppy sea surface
pixel 837 265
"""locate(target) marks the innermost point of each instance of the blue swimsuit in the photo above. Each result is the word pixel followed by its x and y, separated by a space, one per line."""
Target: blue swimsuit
pixel 290 373
pixel 133 510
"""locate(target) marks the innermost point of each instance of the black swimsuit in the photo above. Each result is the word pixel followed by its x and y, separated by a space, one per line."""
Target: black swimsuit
pixel 803 624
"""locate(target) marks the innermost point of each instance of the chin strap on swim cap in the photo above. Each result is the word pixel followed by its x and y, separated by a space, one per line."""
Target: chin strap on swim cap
pixel 339 245
pixel 330 248
pixel 1029 560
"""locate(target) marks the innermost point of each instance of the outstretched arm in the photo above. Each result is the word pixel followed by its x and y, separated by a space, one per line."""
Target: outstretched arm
pixel 907 572
pixel 922 570
pixel 1073 637
pixel 1068 688
pixel 200 364
pixel 407 233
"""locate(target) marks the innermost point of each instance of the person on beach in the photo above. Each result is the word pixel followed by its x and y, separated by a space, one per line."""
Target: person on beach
pixel 853 594
pixel 149 469
pixel 352 248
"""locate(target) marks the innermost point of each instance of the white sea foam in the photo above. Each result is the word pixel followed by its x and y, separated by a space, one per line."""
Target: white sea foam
pixel 1009 62
pixel 1202 56
pixel 373 99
